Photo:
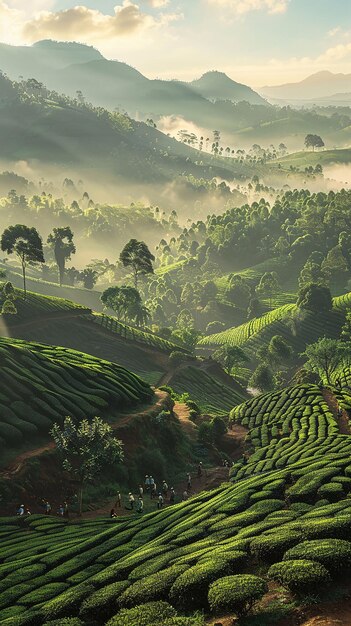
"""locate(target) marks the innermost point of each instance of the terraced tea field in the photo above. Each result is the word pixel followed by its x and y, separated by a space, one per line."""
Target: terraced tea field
pixel 40 384
pixel 291 519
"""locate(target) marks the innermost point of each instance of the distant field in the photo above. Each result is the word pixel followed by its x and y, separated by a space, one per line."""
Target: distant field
pixel 306 158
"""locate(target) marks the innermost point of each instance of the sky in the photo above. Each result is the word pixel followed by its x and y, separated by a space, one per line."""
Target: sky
pixel 257 42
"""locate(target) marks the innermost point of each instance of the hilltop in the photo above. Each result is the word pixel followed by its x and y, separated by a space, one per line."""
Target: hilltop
pixel 218 86
pixel 322 84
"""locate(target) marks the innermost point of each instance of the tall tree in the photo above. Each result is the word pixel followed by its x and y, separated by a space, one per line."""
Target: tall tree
pixel 89 278
pixel 314 141
pixel 85 448
pixel 268 285
pixel 315 298
pixel 138 257
pixel 26 243
pixel 326 356
pixel 61 240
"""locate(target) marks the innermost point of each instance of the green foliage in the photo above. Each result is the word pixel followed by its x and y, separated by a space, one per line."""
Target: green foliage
pixel 138 257
pixel 236 593
pixel 325 357
pixel 154 587
pixel 314 297
pixel 103 604
pixel 334 554
pixel 190 588
pixel 143 614
pixel 271 548
pixel 301 576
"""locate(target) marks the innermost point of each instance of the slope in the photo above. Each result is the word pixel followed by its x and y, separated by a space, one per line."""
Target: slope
pixel 34 376
pixel 288 503
pixel 218 86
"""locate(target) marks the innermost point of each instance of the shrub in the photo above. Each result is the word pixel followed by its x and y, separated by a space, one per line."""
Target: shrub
pixel 154 587
pixel 182 621
pixel 270 548
pixel 44 593
pixel 176 358
pixel 68 621
pixel 334 554
pixel 300 576
pixel 236 593
pixel 67 602
pixel 143 615
pixel 191 587
pixel 103 603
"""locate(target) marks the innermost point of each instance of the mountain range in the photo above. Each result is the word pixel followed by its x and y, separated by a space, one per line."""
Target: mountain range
pixel 322 87
pixel 72 67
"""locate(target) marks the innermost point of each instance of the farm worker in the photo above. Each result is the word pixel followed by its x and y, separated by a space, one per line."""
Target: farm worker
pixel 164 488
pixel 199 470
pixel 113 513
pixel 147 482
pixel 66 511
pixel 141 491
pixel 61 510
pixel 172 496
pixel 140 505
pixel 188 481
pixel 160 501
pixel 118 500
pixel 131 500
pixel 185 495
pixel 28 511
pixel 21 510
pixel 47 508
pixel 153 491
pixel 152 482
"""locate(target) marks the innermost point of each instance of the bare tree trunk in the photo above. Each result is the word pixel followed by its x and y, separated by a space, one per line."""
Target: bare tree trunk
pixel 24 278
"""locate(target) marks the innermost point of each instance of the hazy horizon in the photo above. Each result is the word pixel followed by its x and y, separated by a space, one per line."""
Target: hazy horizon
pixel 172 39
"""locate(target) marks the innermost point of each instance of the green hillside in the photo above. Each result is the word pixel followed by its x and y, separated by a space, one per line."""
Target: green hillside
pixel 33 377
pixel 290 504
pixel 308 158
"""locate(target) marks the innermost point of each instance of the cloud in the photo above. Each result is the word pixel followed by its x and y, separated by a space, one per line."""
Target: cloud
pixel 157 4
pixel 337 53
pixel 240 7
pixel 91 24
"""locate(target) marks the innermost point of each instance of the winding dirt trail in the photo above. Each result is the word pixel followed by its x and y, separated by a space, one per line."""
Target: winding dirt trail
pixel 342 418
pixel 18 463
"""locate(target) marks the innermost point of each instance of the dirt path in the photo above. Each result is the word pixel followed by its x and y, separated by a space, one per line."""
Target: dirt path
pixel 17 464
pixel 182 412
pixel 343 418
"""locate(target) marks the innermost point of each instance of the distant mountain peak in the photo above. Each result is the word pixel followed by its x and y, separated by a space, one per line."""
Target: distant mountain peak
pixel 216 85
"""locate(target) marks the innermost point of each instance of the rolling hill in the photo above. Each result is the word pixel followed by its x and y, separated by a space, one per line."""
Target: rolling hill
pixel 218 86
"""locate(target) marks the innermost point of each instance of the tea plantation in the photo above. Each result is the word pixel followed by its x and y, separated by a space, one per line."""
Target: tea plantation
pixel 286 515
pixel 34 376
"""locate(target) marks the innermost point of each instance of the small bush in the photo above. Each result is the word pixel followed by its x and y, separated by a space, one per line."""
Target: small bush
pixel 67 602
pixel 191 587
pixel 236 593
pixel 270 548
pixel 300 576
pixel 143 615
pixel 103 603
pixel 334 554
pixel 154 587
pixel 44 593
pixel 68 621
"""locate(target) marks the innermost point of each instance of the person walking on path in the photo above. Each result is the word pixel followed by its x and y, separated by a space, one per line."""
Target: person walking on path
pixel 66 511
pixel 160 501
pixel 185 495
pixel 153 493
pixel 113 513
pixel 152 482
pixel 140 505
pixel 164 489
pixel 61 510
pixel 172 496
pixel 147 482
pixel 47 508
pixel 20 510
pixel 118 502
pixel 188 476
pixel 199 470
pixel 131 501
pixel 141 491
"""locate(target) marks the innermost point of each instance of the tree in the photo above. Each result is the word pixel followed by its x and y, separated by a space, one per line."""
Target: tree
pixel 85 448
pixel 26 243
pixel 188 337
pixel 315 298
pixel 312 273
pixel 262 378
pixel 326 356
pixel 61 240
pixel 138 257
pixel 314 141
pixel 268 285
pixel 89 278
pixel 230 356
pixel 125 301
